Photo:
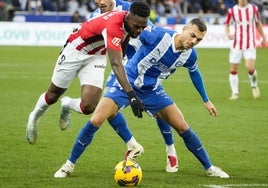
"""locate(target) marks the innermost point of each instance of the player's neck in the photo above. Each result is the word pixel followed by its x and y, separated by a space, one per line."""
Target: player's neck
pixel 177 41
pixel 242 5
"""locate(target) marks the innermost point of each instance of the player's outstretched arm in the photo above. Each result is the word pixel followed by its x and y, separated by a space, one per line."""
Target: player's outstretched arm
pixel 197 80
pixel 120 73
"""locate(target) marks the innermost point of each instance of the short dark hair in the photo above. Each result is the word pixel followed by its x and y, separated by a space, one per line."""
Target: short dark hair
pixel 199 23
pixel 140 8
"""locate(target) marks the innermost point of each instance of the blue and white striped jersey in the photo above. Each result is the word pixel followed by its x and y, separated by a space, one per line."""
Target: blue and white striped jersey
pixel 157 59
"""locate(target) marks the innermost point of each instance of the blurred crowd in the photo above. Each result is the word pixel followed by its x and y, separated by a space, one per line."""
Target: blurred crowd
pixel 80 8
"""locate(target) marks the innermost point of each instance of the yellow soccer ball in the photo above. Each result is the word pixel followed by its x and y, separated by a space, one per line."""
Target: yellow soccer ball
pixel 127 173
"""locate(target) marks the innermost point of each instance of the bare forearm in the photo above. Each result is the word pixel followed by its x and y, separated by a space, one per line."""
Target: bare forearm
pixel 120 74
pixel 119 70
pixel 227 32
pixel 260 29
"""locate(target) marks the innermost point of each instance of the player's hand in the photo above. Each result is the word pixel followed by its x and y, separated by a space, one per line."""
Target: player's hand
pixel 136 104
pixel 231 37
pixel 211 108
pixel 263 42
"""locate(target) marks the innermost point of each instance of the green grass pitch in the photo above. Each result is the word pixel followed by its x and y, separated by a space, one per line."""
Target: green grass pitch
pixel 236 140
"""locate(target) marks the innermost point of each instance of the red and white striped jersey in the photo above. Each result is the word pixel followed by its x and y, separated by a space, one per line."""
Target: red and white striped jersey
pixel 99 33
pixel 244 19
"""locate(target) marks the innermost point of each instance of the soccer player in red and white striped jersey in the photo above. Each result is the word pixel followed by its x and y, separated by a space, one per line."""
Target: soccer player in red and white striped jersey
pixel 83 56
pixel 246 19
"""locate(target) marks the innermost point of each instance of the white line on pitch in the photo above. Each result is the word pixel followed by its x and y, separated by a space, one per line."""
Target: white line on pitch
pixel 236 185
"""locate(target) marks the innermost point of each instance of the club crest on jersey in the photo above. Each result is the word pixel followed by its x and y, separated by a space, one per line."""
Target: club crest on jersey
pixel 178 63
pixel 116 41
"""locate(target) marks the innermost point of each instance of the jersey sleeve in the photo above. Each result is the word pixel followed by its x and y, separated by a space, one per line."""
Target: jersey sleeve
pixel 192 63
pixel 195 75
pixel 147 36
pixel 257 15
pixel 114 36
pixel 229 16
pixel 197 80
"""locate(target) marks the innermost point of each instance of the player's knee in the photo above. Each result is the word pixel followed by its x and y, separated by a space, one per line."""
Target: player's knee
pixel 181 127
pixel 233 72
pixel 88 108
pixel 250 69
pixel 96 121
pixel 51 98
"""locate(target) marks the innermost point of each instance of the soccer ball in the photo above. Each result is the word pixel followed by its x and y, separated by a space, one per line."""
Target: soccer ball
pixel 127 173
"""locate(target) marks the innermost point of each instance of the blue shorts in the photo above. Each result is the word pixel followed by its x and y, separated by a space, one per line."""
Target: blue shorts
pixel 110 79
pixel 154 101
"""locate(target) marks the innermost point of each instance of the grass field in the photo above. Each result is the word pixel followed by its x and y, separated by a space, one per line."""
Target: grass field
pixel 236 140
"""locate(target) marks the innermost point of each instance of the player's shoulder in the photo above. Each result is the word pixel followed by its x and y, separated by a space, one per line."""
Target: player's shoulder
pixel 192 54
pixel 194 51
pixel 156 31
pixel 255 7
pixel 114 20
pixel 251 4
pixel 230 10
pixel 114 14
pixel 109 19
pixel 122 5
pixel 119 14
pixel 191 60
pixel 161 31
pixel 95 13
pixel 125 5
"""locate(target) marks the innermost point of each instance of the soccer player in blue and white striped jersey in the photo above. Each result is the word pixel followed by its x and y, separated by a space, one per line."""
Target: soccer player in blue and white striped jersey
pixel 161 53
pixel 132 145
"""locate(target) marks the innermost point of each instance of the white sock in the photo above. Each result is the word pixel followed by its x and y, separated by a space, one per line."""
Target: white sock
pixel 40 107
pixel 233 79
pixel 170 150
pixel 74 105
pixel 132 143
pixel 253 79
pixel 70 163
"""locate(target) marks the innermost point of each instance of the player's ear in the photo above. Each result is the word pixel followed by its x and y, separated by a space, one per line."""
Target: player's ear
pixel 127 17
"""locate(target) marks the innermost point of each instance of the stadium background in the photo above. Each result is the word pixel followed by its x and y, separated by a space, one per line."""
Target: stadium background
pixel 48 22
pixel 236 139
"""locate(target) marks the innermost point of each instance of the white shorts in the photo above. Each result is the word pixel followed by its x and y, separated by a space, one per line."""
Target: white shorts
pixel 89 69
pixel 236 55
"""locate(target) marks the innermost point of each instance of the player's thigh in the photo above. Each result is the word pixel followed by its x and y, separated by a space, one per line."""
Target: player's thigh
pixel 235 56
pixel 250 57
pixel 249 53
pixel 66 68
pixel 105 109
pixel 172 115
pixel 116 94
